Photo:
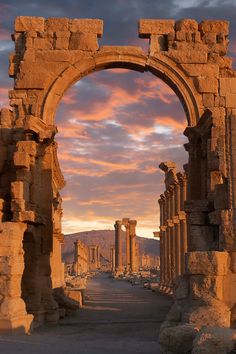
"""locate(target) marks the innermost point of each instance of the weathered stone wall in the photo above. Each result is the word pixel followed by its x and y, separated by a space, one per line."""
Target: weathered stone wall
pixel 52 54
pixel 81 259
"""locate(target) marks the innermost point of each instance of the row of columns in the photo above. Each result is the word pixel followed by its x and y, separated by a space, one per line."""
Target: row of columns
pixel 130 241
pixel 173 227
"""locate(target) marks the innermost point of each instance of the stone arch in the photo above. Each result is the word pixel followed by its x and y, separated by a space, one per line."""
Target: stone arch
pixel 52 54
pixel 161 66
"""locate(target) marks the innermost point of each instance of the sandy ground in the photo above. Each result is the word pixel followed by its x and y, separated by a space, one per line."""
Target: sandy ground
pixel 117 318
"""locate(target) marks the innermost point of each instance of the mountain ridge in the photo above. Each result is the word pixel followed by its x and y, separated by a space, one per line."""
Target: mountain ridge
pixel 106 239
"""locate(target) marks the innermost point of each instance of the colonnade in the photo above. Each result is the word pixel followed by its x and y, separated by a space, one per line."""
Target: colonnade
pixel 130 242
pixel 173 226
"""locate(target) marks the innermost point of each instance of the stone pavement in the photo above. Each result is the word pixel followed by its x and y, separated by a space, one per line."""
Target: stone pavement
pixel 117 318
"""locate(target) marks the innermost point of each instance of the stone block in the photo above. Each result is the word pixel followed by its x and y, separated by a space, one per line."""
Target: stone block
pixel 209 38
pixel 28 23
pixel 208 70
pixel 87 26
pixel 208 99
pixel 55 24
pixel 223 62
pixel 181 35
pixel 178 339
pixel 188 56
pixel 207 263
pixel 62 40
pixel 214 341
pixel 207 312
pixel 17 190
pixel 203 286
pixel 6 118
pixel 21 159
pixel 29 147
pixel 83 41
pixel 214 26
pixel 32 76
pixel 17 205
pixel 207 85
pixel 186 25
pixel 230 100
pixel 43 43
pixel 148 27
pixel 182 288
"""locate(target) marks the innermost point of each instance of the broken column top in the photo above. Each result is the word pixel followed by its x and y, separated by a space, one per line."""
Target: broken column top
pixel 167 166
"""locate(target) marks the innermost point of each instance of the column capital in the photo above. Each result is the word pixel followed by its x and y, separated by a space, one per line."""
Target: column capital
pixel 156 233
pixel 118 223
pixel 169 222
pixel 181 177
pixel 175 219
pixel 182 215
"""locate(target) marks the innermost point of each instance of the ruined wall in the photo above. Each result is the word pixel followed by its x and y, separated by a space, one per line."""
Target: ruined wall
pixel 81 259
pixel 52 54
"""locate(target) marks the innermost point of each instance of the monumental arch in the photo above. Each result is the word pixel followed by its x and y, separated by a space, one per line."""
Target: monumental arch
pixel 50 56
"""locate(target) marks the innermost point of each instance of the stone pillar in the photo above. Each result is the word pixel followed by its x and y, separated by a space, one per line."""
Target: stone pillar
pixel 98 257
pixel 178 251
pixel 125 222
pixel 168 256
pixel 172 252
pixel 118 248
pixel 13 315
pixel 165 255
pixel 112 259
pixel 183 240
pixel 133 262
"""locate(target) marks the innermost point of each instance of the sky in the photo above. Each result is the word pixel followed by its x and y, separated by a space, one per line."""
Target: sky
pixel 115 126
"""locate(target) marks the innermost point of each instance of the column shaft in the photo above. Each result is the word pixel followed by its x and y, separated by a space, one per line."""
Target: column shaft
pixel 118 246
pixel 128 253
pixel 183 232
pixel 168 258
pixel 177 249
pixel 172 250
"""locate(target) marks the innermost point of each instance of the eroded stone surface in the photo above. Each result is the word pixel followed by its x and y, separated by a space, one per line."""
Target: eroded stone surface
pixel 50 55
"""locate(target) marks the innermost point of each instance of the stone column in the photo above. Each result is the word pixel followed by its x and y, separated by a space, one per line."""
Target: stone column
pixel 177 246
pixel 118 247
pixel 183 240
pixel 172 252
pixel 165 255
pixel 98 257
pixel 112 259
pixel 133 262
pixel 177 198
pixel 168 256
pixel 158 234
pixel 125 222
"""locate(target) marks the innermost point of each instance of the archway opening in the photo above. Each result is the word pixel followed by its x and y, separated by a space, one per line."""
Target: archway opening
pixel 121 124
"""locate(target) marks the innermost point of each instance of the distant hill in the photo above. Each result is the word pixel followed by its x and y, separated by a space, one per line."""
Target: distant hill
pixel 105 239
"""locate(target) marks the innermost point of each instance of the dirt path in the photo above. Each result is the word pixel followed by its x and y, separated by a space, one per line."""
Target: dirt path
pixel 117 318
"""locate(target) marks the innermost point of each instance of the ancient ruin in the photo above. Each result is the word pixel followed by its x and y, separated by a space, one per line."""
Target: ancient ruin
pixel 50 56
pixel 94 257
pixel 173 226
pixel 81 259
pixel 132 262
